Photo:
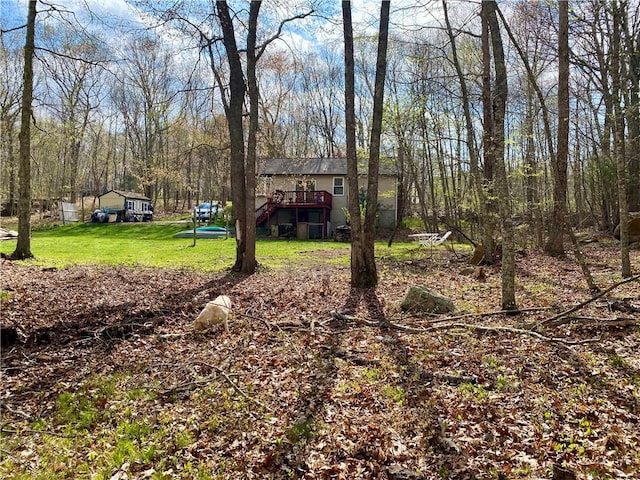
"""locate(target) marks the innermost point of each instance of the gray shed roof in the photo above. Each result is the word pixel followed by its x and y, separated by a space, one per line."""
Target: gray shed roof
pixel 308 166
pixel 133 195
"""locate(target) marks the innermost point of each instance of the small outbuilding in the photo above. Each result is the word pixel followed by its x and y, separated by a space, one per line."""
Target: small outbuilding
pixel 123 206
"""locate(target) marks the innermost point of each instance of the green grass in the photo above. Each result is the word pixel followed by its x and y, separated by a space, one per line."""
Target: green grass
pixel 153 245
pixel 150 245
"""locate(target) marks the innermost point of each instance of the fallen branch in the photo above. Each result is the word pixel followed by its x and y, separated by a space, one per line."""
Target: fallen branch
pixel 468 326
pixel 602 322
pixel 489 314
pixel 586 302
pixel 345 355
pixel 10 409
pixel 343 317
pixel 484 328
pixel 270 325
pixel 239 390
pixel 235 387
pixel 185 387
pixel 408 329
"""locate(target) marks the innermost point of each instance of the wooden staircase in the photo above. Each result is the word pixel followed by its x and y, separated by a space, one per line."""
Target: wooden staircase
pixel 265 211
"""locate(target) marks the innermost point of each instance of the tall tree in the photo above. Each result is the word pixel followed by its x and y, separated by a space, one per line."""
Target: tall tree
pixel 233 94
pixel 555 243
pixel 357 255
pixel 143 96
pixel 363 266
pixel 490 208
pixel 10 97
pixel 371 276
pixel 617 70
pixel 494 100
pixel 233 111
pixel 23 245
pixel 476 177
pixel 74 81
pixel 249 263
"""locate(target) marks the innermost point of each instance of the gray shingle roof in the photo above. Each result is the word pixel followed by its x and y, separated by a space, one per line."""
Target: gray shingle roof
pixel 134 195
pixel 308 166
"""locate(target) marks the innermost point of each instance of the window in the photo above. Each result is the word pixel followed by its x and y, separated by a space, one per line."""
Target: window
pixel 263 188
pixel 338 186
pixel 129 205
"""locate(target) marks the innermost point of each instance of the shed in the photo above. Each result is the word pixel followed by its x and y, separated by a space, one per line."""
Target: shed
pixel 126 206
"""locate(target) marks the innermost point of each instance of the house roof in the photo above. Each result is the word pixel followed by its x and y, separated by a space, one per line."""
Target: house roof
pixel 133 195
pixel 309 166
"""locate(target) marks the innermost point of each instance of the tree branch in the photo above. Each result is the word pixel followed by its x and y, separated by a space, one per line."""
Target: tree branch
pixel 586 302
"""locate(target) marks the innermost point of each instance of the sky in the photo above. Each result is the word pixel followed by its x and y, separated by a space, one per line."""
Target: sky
pixel 14 12
pixel 106 14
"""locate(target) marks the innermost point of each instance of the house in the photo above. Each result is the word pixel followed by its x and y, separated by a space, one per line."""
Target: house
pixel 308 197
pixel 125 206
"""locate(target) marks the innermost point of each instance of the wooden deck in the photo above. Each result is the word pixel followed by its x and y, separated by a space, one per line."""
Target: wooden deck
pixel 297 199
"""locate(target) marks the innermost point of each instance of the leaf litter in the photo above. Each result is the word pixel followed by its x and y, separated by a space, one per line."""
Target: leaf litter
pixel 296 391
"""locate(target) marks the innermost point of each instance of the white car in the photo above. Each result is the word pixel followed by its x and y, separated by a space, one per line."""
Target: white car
pixel 206 210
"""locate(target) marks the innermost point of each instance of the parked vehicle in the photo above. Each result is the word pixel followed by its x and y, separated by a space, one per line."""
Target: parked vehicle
pixel 206 210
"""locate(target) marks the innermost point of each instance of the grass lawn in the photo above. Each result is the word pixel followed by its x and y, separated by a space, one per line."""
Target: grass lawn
pixel 153 245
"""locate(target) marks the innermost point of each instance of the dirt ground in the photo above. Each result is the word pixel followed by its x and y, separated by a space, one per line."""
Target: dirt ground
pixel 296 390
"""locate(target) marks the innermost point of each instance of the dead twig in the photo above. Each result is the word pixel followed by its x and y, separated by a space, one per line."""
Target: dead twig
pixel 236 387
pixel 343 317
pixel 600 322
pixel 488 314
pixel 10 409
pixel 270 325
pixel 185 387
pixel 486 328
pixel 586 302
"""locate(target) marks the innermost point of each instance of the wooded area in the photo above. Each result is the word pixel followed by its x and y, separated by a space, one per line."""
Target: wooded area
pixel 148 112
pixel 509 125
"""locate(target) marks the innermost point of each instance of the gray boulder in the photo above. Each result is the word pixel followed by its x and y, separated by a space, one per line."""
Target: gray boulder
pixel 634 230
pixel 423 300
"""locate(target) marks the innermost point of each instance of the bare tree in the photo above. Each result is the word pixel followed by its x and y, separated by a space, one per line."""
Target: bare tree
pixel 75 81
pixel 23 245
pixel 10 96
pixel 617 71
pixel 495 101
pixel 363 265
pixel 143 97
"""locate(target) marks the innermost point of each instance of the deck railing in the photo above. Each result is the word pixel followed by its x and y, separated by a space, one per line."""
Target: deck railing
pixel 294 199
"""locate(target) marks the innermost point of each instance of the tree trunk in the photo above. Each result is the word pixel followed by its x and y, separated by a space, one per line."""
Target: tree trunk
pixel 358 263
pixel 23 245
pixel 555 242
pixel 632 44
pixel 370 278
pixel 499 102
pixel 489 207
pixel 233 112
pixel 249 262
pixel 618 135
pixel 476 177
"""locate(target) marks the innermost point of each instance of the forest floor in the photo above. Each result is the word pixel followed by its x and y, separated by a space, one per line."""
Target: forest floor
pixel 107 378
